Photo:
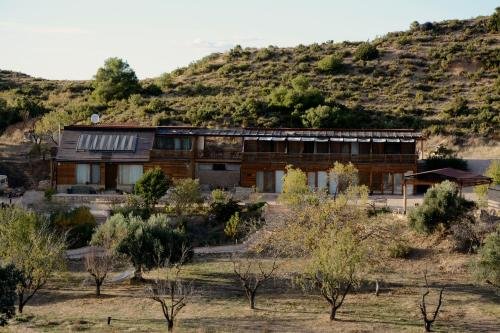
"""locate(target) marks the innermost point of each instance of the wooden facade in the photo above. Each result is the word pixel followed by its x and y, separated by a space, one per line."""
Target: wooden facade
pixel 112 157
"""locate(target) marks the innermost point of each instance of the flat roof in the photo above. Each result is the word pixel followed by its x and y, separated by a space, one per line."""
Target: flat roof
pixel 258 132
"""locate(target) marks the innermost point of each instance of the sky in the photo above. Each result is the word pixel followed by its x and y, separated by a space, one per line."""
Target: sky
pixel 70 39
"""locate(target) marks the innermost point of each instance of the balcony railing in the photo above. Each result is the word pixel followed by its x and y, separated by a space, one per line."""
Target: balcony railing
pixel 219 154
pixel 237 155
pixel 327 157
pixel 174 154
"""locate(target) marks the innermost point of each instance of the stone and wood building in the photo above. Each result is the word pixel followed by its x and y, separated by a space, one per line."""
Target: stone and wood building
pixel 112 158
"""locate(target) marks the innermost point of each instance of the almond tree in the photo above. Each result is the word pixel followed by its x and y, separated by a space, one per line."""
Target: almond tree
pixel 252 273
pixel 429 320
pixel 98 265
pixel 169 290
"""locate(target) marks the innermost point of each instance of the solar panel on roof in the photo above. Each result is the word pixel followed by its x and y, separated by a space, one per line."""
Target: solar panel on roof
pixel 106 142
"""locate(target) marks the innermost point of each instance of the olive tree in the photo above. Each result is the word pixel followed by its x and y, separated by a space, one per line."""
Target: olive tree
pixel 487 267
pixel 144 242
pixel 32 248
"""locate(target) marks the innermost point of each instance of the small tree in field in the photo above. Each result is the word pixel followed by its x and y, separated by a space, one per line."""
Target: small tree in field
pixel 147 242
pixel 334 267
pixel 169 289
pixel 252 273
pixel 429 319
pixel 99 265
pixel 27 243
pixel 152 186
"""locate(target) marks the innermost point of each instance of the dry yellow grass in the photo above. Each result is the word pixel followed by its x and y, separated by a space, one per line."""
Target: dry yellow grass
pixel 219 306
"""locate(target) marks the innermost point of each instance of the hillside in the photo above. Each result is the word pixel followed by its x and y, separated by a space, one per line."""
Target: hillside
pixel 439 77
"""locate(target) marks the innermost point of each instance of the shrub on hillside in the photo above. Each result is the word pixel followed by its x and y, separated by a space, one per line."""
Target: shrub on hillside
pixel 9 278
pixel 366 51
pixel 442 206
pixel 330 64
pixel 115 80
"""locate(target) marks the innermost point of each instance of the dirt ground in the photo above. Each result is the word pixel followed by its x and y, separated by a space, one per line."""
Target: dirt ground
pixel 218 304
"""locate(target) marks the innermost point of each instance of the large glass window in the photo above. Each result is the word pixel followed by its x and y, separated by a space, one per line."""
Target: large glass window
pixel 83 173
pixel 172 143
pixel 129 174
pixel 88 174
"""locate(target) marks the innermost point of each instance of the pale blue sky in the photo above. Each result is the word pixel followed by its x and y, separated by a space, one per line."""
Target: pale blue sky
pixel 69 39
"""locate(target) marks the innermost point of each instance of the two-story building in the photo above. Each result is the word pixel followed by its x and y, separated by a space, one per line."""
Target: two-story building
pixel 114 157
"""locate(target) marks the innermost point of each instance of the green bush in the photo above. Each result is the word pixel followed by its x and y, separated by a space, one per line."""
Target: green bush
pixel 442 206
pixel 399 249
pixel 149 244
pixel 487 267
pixel 152 186
pixel 330 64
pixel 9 278
pixel 221 211
pixel 366 51
pixel 78 224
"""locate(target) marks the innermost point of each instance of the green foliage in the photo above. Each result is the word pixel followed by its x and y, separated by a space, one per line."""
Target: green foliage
pixel 335 266
pixel 493 171
pixel 487 267
pixel 9 278
pixel 366 51
pixel 77 224
pixel 185 196
pixel 494 21
pixel 457 107
pixel 222 209
pixel 152 186
pixel 345 176
pixel 110 234
pixel 442 205
pixel 443 157
pixel 48 193
pixel 165 81
pixel 115 81
pixel 295 189
pixel 399 249
pixel 28 244
pixel 330 64
pixel 149 243
pixel 481 192
pixel 233 226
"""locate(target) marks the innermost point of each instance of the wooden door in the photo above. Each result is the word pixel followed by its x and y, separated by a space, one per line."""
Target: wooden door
pixel 111 175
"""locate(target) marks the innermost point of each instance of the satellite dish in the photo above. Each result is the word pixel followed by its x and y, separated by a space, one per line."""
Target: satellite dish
pixel 94 118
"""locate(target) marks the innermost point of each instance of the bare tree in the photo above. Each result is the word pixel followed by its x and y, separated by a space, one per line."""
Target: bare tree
pixel 98 265
pixel 170 291
pixel 428 321
pixel 252 273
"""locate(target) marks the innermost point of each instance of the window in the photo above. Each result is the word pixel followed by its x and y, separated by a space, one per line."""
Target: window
pixel 95 174
pixel 172 143
pixel 129 174
pixel 219 167
pixel 309 147
pixel 83 173
pixel 322 147
pixel 322 179
pixel 88 174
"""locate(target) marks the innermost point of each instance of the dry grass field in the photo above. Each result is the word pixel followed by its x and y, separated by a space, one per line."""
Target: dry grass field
pixel 218 305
